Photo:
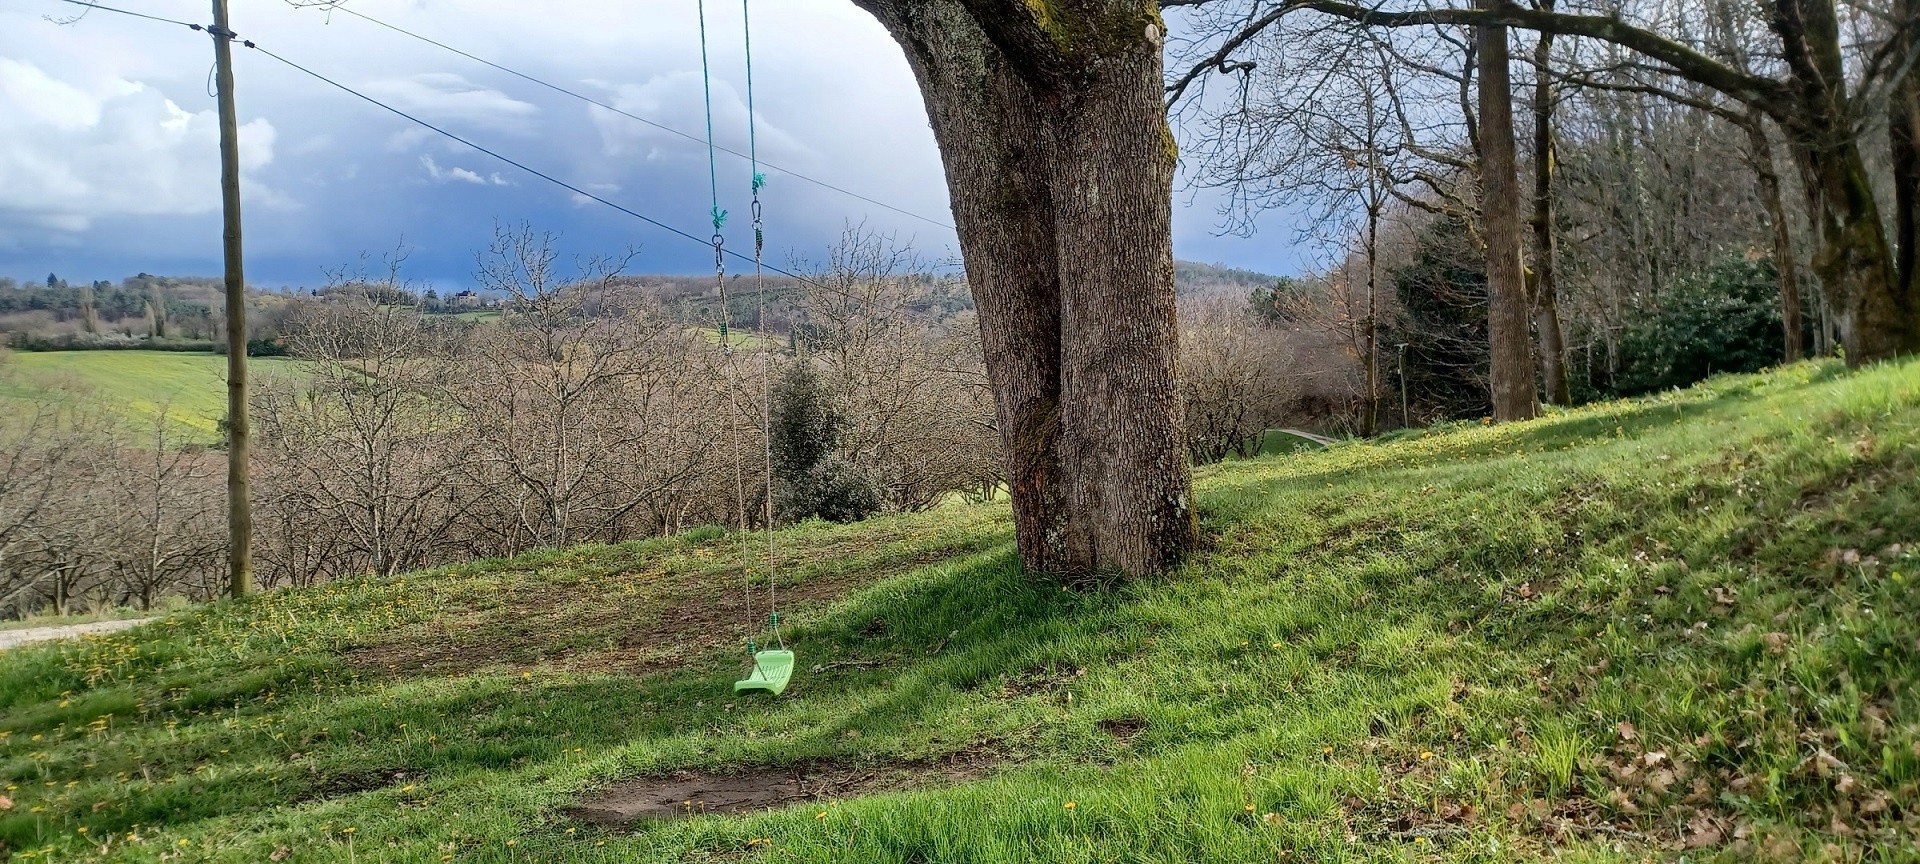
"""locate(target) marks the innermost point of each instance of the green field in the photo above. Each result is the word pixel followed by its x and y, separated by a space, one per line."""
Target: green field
pixel 471 315
pixel 1280 442
pixel 738 338
pixel 1679 628
pixel 137 385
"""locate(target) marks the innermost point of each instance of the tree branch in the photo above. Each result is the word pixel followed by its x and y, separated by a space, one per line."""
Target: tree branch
pixel 1763 93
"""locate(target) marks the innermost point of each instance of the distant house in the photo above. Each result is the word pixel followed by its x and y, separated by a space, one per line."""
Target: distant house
pixel 465 300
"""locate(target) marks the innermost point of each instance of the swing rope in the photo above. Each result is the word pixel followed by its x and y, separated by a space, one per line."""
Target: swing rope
pixel 726 343
pixel 726 330
pixel 766 360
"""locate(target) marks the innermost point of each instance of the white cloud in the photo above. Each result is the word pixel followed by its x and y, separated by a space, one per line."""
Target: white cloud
pixel 443 97
pixel 74 150
pixel 459 174
pixel 678 101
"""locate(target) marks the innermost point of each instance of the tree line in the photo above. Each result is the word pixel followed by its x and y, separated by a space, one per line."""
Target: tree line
pixel 1611 208
pixel 587 413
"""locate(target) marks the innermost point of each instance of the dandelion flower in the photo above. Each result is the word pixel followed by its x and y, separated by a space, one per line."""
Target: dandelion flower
pixel 1425 755
pixel 1070 805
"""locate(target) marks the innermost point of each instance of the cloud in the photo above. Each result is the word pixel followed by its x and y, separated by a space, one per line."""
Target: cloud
pixel 443 97
pixel 76 151
pixel 601 189
pixel 457 174
pixel 678 102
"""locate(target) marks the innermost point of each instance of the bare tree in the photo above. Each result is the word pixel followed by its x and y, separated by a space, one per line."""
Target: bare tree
pixel 913 390
pixel 1825 91
pixel 166 526
pixel 586 404
pixel 1235 377
pixel 365 446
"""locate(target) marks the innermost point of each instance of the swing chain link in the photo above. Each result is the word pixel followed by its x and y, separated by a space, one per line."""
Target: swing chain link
pixel 720 284
pixel 759 236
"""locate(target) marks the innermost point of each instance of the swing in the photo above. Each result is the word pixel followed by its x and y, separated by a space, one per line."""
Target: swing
pixel 772 669
pixel 773 666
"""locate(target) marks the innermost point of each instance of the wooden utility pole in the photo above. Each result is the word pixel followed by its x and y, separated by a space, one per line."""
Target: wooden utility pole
pixel 239 505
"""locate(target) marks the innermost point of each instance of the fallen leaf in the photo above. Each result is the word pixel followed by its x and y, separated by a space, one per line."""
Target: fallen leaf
pixel 5 803
pixel 1627 732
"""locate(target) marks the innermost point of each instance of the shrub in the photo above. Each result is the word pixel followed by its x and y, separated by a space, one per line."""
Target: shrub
pixel 1726 319
pixel 810 480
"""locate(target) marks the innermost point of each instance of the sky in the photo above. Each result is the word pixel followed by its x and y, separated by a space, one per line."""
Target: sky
pixel 109 161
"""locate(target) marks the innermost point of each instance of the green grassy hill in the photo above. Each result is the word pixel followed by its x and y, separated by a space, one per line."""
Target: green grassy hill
pixel 137 385
pixel 1686 625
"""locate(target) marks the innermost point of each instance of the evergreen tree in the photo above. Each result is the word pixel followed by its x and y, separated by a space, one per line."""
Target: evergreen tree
pixel 810 480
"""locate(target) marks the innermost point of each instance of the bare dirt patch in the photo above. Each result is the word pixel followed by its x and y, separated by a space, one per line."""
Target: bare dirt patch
pixel 574 627
pixel 683 794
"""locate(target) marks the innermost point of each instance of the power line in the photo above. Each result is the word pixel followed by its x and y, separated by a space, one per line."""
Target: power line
pixel 569 186
pixel 902 311
pixel 510 161
pixel 91 5
pixel 660 126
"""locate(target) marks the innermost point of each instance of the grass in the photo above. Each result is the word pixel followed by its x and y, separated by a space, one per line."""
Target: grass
pixel 1280 442
pixel 1678 627
pixel 137 386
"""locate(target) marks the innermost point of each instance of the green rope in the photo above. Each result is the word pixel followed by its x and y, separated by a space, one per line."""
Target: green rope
pixel 713 163
pixel 766 369
pixel 753 135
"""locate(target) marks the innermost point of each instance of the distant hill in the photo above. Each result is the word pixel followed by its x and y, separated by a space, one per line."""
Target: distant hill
pixel 1192 278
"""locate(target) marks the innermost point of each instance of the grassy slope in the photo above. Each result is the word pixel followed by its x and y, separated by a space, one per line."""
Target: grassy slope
pixel 135 384
pixel 1596 637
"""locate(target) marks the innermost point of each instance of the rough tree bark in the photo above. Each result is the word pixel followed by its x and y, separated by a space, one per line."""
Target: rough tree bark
pixel 1855 261
pixel 1060 166
pixel 1511 372
pixel 1903 132
pixel 1546 303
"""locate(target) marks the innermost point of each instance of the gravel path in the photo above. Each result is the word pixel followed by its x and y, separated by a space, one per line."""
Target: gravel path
pixel 1321 440
pixel 14 638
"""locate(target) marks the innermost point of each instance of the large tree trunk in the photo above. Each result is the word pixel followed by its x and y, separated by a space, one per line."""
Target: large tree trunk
pixel 1903 131
pixel 1060 168
pixel 1511 372
pixel 1791 323
pixel 1546 303
pixel 1878 318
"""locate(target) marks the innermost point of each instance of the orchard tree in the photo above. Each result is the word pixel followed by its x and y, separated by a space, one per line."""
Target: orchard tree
pixel 1060 163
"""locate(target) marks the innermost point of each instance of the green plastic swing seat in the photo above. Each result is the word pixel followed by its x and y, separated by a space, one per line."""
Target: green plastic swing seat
pixel 771 672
